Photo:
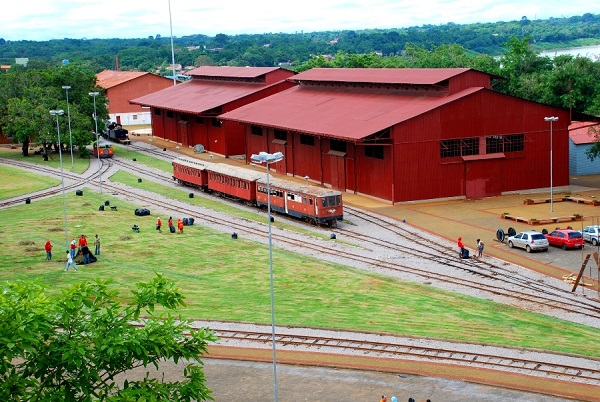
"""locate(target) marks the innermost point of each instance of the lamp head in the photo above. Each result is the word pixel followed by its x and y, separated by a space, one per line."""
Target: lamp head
pixel 551 118
pixel 66 87
pixel 57 112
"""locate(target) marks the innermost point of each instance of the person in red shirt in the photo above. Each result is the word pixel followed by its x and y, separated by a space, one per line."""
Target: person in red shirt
pixel 180 225
pixel 73 247
pixel 461 247
pixel 159 225
pixel 48 248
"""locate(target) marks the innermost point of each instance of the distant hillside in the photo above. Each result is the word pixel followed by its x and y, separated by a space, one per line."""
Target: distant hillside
pixel 150 54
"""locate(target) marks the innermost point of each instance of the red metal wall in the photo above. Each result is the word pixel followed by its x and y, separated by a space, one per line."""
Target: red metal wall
pixel 417 148
pixel 120 95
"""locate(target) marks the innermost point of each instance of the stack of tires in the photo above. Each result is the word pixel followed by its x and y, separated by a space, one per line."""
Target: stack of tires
pixel 142 212
pixel 188 221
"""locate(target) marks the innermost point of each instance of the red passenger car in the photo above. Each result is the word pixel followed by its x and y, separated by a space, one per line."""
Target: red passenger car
pixel 191 172
pixel 310 203
pixel 235 182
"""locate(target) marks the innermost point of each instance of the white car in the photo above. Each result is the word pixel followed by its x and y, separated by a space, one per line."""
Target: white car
pixel 530 240
pixel 590 233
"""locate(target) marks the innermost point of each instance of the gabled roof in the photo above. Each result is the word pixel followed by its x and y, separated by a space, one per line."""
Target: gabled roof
pixel 579 132
pixel 415 76
pixel 110 78
pixel 197 96
pixel 231 72
pixel 339 113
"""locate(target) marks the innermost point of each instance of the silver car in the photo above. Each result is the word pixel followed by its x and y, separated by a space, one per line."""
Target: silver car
pixel 530 240
pixel 590 233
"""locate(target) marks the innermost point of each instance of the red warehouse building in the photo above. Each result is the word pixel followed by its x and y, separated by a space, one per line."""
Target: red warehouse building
pixel 188 113
pixel 122 86
pixel 408 134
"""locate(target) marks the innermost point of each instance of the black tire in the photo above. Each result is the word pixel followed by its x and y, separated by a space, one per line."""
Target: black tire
pixel 564 246
pixel 527 248
pixel 510 244
pixel 594 242
pixel 511 231
pixel 500 235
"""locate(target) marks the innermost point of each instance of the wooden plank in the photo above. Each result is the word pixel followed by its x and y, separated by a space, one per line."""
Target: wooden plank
pixel 585 261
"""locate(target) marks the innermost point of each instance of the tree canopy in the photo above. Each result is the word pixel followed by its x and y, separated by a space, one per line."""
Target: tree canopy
pixel 73 346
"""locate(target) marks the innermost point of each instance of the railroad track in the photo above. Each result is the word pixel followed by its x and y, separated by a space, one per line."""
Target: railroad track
pixel 564 367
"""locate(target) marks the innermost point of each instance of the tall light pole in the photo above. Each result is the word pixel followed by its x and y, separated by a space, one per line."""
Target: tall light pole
pixel 62 176
pixel 551 119
pixel 172 48
pixel 94 94
pixel 264 157
pixel 66 88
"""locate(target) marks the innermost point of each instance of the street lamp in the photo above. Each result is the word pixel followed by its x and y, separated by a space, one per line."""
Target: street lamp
pixel 94 94
pixel 551 119
pixel 264 157
pixel 62 176
pixel 66 88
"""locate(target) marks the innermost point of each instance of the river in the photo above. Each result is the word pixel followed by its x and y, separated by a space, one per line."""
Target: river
pixel 591 52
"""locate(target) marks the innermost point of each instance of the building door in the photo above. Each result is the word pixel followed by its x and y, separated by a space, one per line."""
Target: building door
pixel 483 178
pixel 337 164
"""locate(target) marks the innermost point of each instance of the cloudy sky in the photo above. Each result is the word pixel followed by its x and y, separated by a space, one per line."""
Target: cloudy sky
pixel 58 19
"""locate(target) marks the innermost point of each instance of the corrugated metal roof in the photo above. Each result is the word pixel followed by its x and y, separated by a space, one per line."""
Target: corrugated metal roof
pixel 416 76
pixel 579 132
pixel 338 113
pixel 110 78
pixel 235 171
pixel 197 96
pixel 231 72
pixel 296 187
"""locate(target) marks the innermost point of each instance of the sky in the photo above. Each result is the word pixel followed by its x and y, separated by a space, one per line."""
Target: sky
pixel 42 20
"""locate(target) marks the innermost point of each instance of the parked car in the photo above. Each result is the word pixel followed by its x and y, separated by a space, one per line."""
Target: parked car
pixel 530 240
pixel 590 233
pixel 566 238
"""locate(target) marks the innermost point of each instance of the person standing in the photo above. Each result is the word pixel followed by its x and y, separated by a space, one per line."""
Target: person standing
pixel 86 254
pixel 48 248
pixel 461 247
pixel 70 262
pixel 82 242
pixel 97 244
pixel 159 225
pixel 480 247
pixel 180 225
pixel 73 247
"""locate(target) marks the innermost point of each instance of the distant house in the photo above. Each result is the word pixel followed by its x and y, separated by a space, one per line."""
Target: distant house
pixel 122 86
pixel 581 139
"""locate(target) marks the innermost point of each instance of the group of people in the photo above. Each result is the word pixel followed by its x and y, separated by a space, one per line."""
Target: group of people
pixel 76 247
pixel 394 399
pixel 464 253
pixel 170 225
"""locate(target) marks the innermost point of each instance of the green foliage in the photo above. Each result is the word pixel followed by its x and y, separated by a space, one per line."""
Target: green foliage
pixel 73 346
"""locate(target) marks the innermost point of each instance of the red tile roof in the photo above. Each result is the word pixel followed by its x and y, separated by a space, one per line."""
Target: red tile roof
pixel 417 76
pixel 580 134
pixel 110 78
pixel 338 113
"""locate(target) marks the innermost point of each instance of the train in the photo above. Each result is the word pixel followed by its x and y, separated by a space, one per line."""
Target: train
pixel 115 132
pixel 313 204
pixel 103 149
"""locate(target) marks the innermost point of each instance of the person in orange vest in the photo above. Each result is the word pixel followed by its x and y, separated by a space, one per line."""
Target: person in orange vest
pixel 48 248
pixel 159 225
pixel 180 225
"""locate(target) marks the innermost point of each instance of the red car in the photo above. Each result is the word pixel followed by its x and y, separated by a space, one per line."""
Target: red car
pixel 566 238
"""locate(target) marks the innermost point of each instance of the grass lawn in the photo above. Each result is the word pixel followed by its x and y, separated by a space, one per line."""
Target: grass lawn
pixel 17 182
pixel 144 159
pixel 226 279
pixel 80 165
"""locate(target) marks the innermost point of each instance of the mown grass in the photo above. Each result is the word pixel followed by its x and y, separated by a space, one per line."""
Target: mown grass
pixel 79 165
pixel 17 182
pixel 226 279
pixel 144 159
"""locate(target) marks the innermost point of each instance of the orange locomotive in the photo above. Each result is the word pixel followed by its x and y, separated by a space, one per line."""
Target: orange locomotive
pixel 103 149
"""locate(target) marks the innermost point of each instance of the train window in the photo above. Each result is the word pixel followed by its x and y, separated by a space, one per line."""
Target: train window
pixel 338 200
pixel 324 201
pixel 310 201
pixel 304 200
pixel 291 197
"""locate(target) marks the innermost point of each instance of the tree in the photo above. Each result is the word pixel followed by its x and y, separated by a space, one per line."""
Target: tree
pixel 72 346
